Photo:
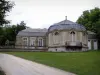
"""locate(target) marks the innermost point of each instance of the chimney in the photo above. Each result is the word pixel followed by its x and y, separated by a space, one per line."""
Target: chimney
pixel 65 17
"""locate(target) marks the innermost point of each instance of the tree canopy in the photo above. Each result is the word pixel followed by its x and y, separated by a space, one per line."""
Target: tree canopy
pixel 91 20
pixel 9 33
pixel 5 6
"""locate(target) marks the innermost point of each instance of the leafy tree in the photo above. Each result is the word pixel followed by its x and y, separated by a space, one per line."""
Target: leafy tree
pixel 20 27
pixel 2 37
pixel 10 32
pixel 5 6
pixel 91 20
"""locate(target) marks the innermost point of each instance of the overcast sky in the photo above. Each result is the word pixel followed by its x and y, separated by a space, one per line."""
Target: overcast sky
pixel 43 13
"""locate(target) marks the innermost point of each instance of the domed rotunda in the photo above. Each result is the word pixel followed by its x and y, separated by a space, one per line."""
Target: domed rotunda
pixel 64 36
pixel 67 36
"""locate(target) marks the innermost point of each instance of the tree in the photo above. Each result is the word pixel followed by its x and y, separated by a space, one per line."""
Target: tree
pixel 91 20
pixel 5 6
pixel 10 32
pixel 20 27
pixel 2 37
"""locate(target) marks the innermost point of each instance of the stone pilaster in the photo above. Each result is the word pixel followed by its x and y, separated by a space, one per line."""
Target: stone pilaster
pixel 36 43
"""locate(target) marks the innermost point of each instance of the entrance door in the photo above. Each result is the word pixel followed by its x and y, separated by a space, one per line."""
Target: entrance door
pixel 95 44
pixel 89 44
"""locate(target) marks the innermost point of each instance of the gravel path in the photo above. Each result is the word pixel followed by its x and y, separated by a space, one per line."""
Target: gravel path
pixel 12 65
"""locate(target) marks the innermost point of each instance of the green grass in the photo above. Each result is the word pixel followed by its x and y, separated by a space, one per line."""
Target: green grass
pixel 81 63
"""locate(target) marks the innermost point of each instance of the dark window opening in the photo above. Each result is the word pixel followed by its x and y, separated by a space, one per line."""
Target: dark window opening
pixel 72 32
pixel 56 49
pixel 95 41
pixel 56 33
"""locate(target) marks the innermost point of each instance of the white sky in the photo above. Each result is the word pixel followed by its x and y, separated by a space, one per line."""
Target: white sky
pixel 43 13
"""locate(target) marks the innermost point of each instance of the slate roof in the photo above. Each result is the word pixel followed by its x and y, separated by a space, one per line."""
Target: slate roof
pixel 89 32
pixel 35 30
pixel 66 24
pixel 32 32
pixel 91 35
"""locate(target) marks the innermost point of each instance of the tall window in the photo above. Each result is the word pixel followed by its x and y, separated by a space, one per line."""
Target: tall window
pixel 56 37
pixel 40 42
pixel 84 37
pixel 72 36
pixel 32 41
pixel 56 33
pixel 25 41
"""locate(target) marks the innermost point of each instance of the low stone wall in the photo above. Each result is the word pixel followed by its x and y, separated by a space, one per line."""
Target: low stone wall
pixel 23 50
pixel 28 49
pixel 63 49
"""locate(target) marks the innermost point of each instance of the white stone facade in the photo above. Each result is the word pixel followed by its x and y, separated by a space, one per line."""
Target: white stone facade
pixel 75 41
pixel 64 36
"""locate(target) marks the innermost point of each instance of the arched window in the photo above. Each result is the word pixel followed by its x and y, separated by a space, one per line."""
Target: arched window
pixel 72 36
pixel 72 32
pixel 40 42
pixel 32 41
pixel 83 34
pixel 56 37
pixel 56 33
pixel 25 41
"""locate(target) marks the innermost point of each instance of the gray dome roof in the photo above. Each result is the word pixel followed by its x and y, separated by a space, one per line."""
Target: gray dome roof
pixel 66 24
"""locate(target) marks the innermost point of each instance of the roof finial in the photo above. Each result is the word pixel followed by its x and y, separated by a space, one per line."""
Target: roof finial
pixel 65 17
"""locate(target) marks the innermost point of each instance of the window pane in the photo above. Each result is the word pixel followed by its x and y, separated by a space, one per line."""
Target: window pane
pixel 40 42
pixel 25 42
pixel 24 38
pixel 95 41
pixel 56 33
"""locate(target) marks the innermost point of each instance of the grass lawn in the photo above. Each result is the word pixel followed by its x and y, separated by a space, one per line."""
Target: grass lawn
pixel 81 63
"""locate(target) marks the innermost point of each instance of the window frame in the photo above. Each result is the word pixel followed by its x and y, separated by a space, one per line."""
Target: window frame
pixel 56 37
pixel 73 36
pixel 40 42
pixel 25 41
